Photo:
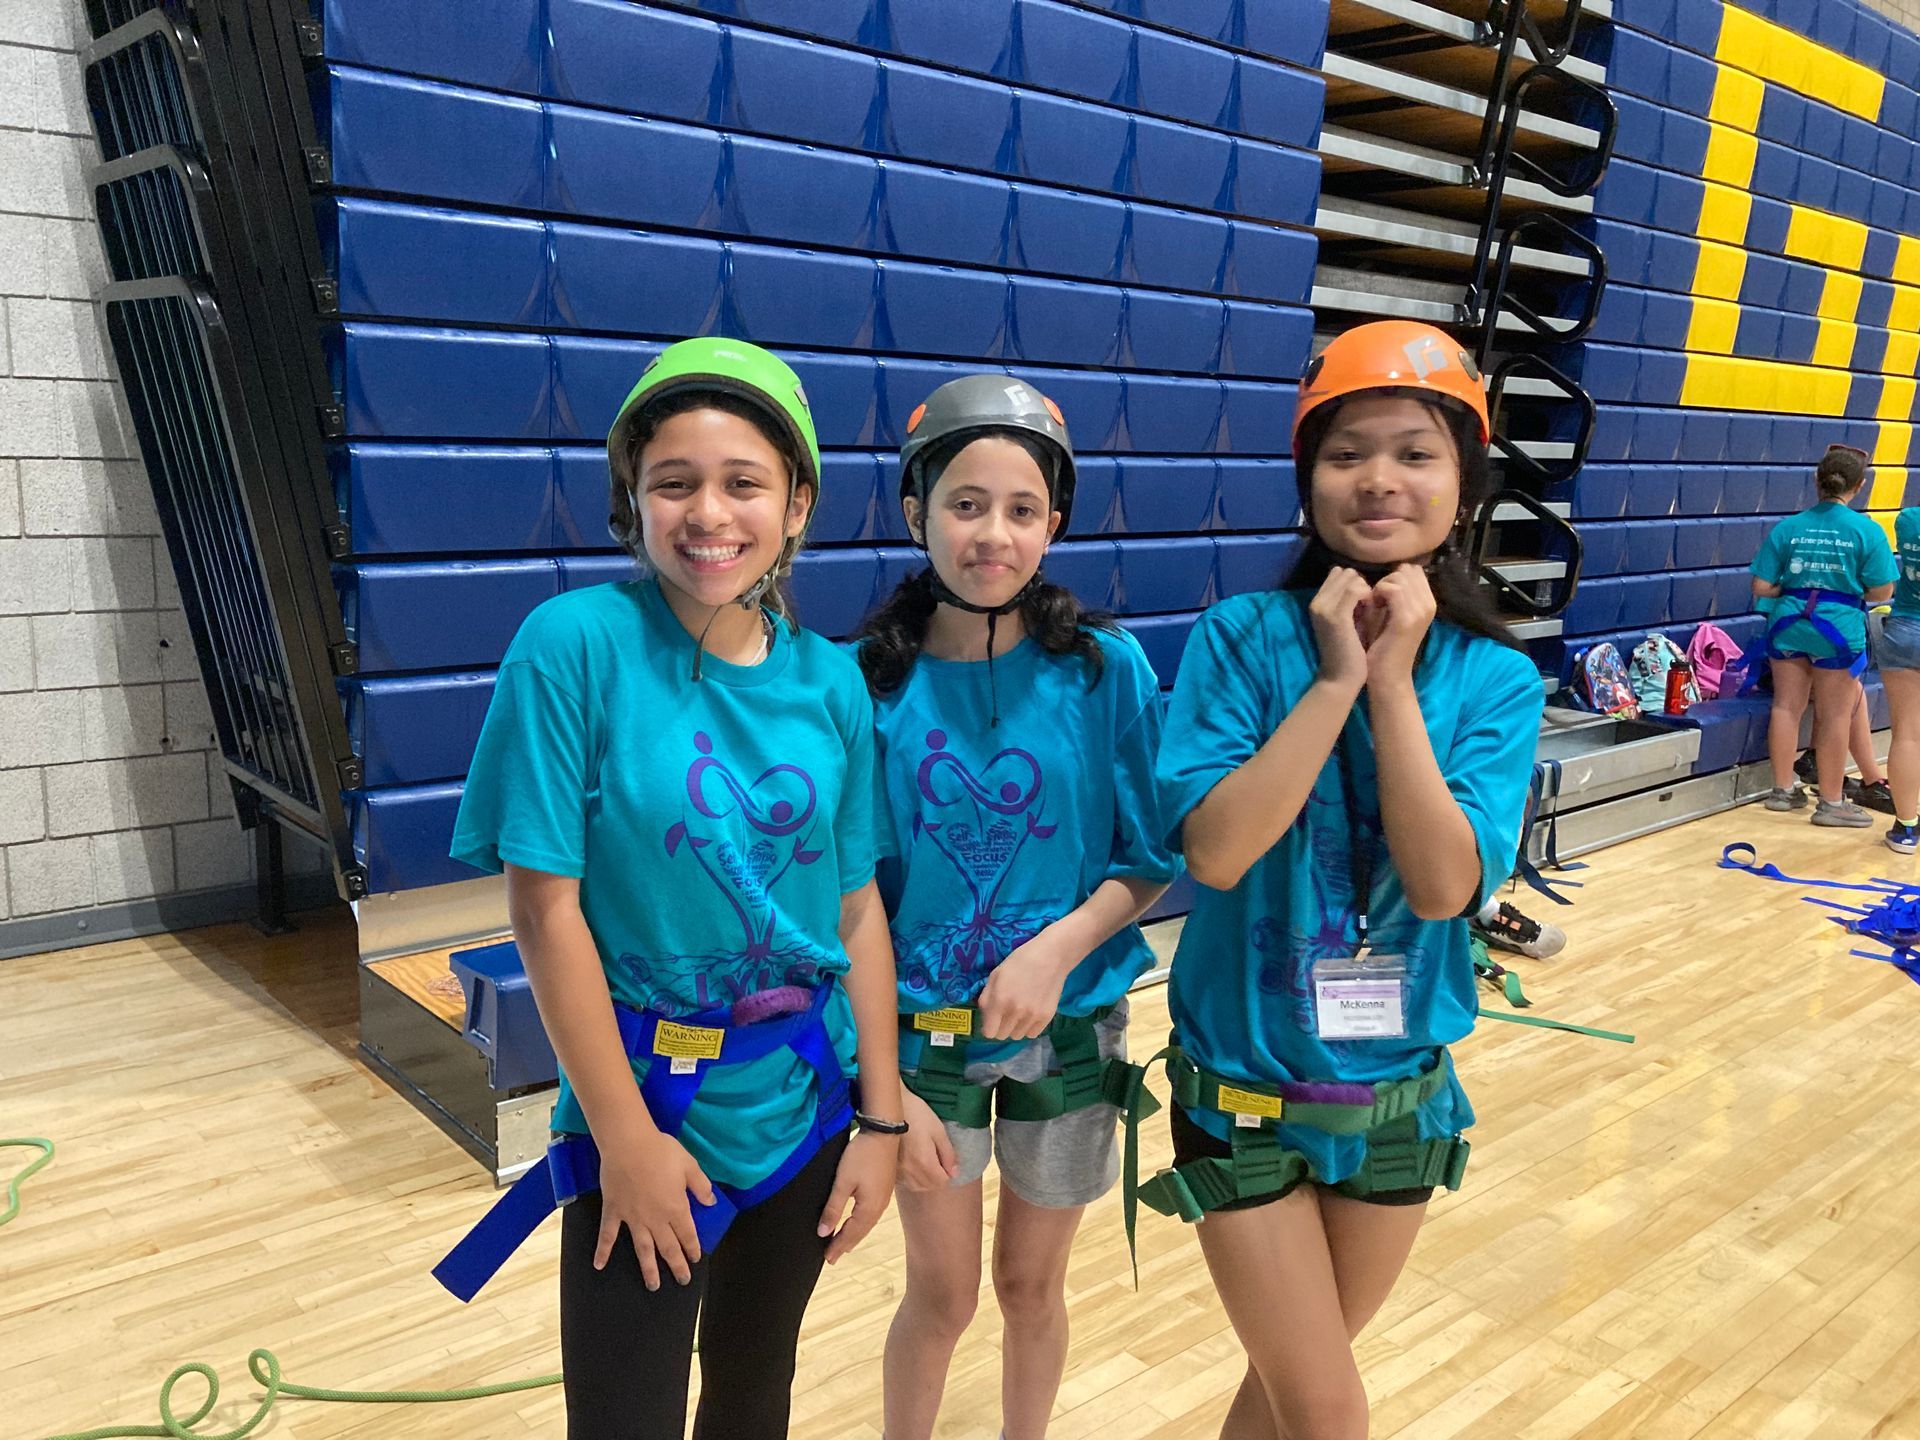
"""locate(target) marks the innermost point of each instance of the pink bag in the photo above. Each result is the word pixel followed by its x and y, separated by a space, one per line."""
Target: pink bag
pixel 1710 652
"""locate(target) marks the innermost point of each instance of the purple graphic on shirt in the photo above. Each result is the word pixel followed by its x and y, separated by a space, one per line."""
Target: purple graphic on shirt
pixel 745 836
pixel 1321 923
pixel 981 823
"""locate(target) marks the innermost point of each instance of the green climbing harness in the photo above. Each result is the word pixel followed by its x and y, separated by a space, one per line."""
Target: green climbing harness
pixel 1081 1076
pixel 1384 1113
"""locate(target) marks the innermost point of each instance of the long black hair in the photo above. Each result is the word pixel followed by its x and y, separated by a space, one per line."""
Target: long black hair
pixel 891 638
pixel 1458 596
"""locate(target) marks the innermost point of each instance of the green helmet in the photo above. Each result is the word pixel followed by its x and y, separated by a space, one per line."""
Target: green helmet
pixel 981 404
pixel 730 367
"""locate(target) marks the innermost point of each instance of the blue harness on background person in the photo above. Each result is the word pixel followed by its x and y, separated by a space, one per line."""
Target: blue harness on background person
pixel 1844 656
pixel 683 1050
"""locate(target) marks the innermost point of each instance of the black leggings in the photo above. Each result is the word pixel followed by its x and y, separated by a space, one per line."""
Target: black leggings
pixel 627 1351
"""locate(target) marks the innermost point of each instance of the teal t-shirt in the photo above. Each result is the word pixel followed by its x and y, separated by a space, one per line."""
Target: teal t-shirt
pixel 999 830
pixel 1906 585
pixel 1827 547
pixel 1242 989
pixel 713 825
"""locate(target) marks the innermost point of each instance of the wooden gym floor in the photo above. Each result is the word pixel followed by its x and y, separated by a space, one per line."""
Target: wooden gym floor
pixel 1708 1234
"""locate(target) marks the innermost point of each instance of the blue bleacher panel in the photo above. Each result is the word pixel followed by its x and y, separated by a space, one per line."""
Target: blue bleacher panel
pixel 412 729
pixel 1108 199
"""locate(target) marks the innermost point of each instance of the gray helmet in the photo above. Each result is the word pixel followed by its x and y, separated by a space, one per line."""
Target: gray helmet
pixel 981 404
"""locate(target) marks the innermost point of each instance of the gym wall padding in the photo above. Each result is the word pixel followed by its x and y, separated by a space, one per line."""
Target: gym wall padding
pixel 1109 200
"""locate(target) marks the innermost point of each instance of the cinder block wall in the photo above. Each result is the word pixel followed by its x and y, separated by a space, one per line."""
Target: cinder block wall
pixel 110 792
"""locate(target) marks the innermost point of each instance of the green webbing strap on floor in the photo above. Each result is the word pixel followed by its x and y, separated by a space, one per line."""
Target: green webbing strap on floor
pixel 1568 1026
pixel 45 1147
pixel 1507 980
pixel 265 1368
pixel 1485 967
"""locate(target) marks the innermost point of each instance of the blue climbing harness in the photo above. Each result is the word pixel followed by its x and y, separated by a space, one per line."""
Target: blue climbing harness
pixel 683 1050
pixel 1844 656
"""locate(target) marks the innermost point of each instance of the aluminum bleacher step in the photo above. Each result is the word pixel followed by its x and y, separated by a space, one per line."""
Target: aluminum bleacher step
pixel 1413 91
pixel 1350 150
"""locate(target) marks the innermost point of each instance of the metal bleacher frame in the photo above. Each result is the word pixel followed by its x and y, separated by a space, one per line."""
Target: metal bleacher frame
pixel 228 395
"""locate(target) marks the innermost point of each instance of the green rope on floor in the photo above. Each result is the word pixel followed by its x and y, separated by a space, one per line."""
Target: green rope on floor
pixel 265 1368
pixel 264 1365
pixel 45 1147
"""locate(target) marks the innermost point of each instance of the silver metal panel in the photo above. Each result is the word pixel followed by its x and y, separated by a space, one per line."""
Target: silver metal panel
pixel 1432 165
pixel 1602 758
pixel 1537 629
pixel 1516 572
pixel 1447 97
pixel 1504 513
pixel 1364 220
pixel 408 921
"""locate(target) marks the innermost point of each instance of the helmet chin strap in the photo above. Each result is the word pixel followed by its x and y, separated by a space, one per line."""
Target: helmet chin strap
pixel 944 593
pixel 748 600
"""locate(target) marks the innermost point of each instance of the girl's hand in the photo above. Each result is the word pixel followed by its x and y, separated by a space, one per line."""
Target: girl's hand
pixel 865 1177
pixel 1407 601
pixel 1022 994
pixel 644 1185
pixel 927 1161
pixel 1344 626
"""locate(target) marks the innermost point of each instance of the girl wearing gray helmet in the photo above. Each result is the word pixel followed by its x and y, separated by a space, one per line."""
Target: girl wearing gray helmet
pixel 1016 737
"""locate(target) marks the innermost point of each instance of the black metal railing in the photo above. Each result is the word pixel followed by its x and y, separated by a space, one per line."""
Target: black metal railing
pixel 203 205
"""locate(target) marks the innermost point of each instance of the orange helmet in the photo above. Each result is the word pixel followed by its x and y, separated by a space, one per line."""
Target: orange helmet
pixel 1397 354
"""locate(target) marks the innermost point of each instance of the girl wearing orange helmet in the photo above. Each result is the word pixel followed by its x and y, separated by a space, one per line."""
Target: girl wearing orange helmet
pixel 1345 766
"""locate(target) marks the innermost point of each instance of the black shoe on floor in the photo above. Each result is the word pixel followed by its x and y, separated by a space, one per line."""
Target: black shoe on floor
pixel 1872 797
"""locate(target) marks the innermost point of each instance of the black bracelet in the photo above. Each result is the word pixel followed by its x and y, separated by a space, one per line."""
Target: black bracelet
pixel 873 1124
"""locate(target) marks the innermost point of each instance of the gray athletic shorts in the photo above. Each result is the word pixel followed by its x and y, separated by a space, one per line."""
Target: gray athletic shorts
pixel 1072 1159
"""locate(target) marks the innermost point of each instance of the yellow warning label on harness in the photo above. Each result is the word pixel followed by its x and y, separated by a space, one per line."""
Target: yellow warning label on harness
pixel 955 1020
pixel 1246 1102
pixel 687 1042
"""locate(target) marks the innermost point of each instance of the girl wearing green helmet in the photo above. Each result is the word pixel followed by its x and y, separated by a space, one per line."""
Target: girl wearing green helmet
pixel 678 783
pixel 1017 736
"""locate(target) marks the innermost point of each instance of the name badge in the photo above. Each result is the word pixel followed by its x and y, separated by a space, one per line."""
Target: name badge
pixel 1361 999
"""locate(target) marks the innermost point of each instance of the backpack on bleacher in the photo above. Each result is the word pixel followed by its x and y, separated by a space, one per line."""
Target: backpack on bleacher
pixel 1711 653
pixel 1600 683
pixel 1653 657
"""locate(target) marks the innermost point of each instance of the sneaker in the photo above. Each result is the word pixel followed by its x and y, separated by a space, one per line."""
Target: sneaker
pixel 1794 799
pixel 1806 767
pixel 1903 839
pixel 1510 930
pixel 1844 815
pixel 1872 797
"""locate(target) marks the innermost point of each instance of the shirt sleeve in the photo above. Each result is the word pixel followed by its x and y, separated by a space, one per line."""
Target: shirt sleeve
pixel 532 779
pixel 1489 767
pixel 1140 847
pixel 1214 724
pixel 857 838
